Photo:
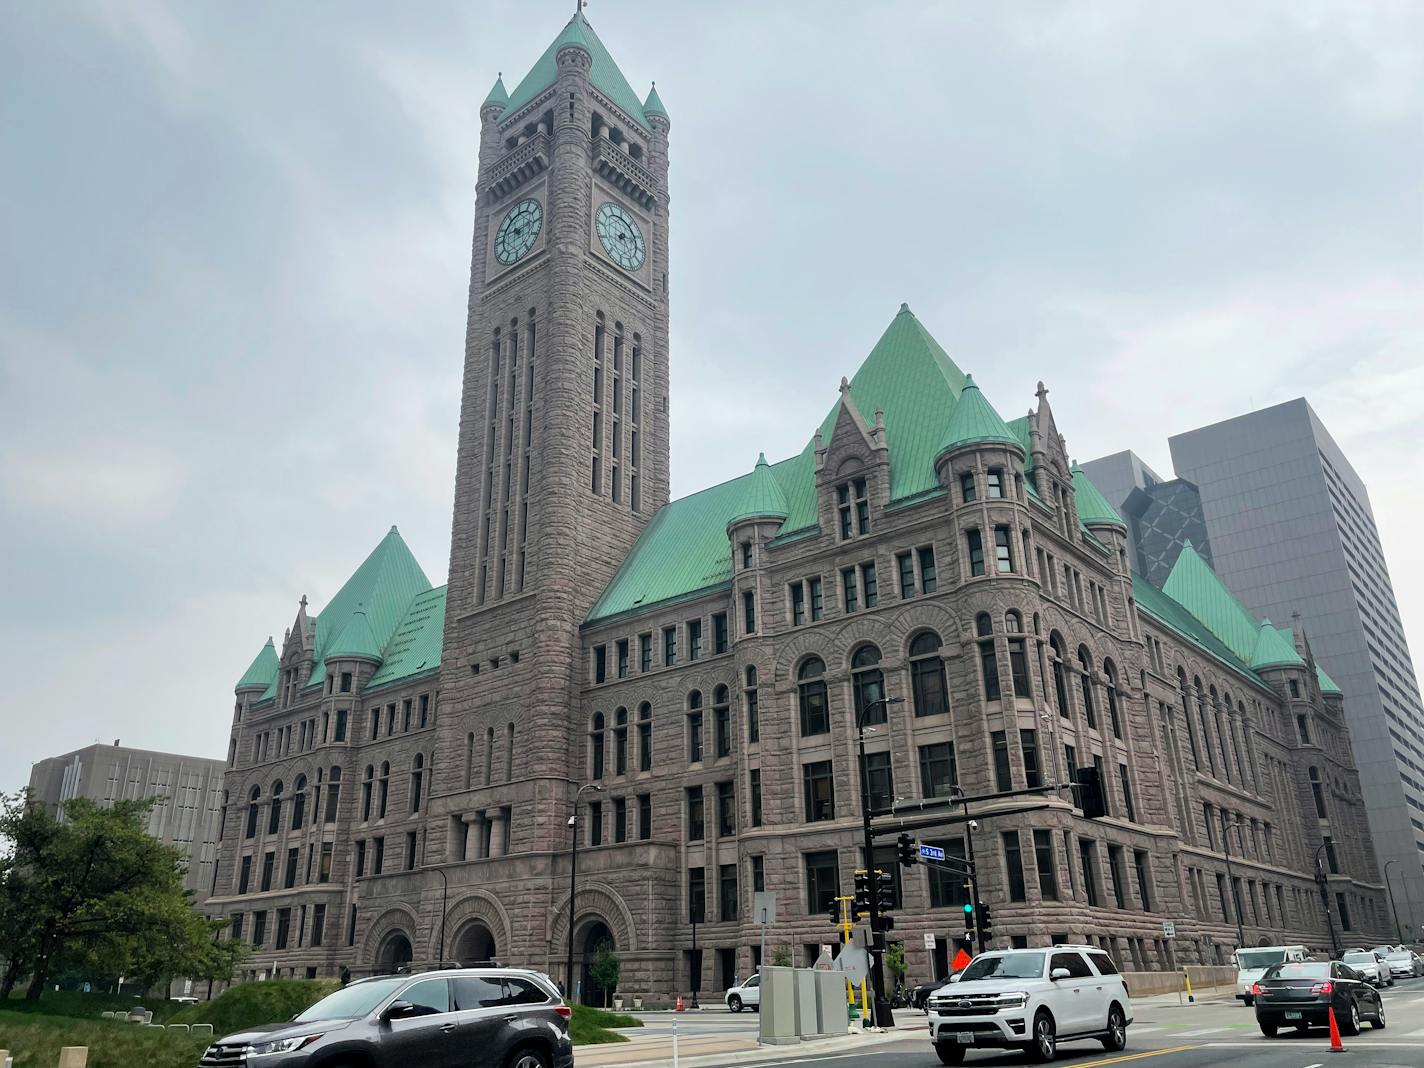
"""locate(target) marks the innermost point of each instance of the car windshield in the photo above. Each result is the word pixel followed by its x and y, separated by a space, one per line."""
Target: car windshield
pixel 1399 953
pixel 354 1001
pixel 1360 957
pixel 1004 966
pixel 1259 958
pixel 1300 969
pixel 1383 951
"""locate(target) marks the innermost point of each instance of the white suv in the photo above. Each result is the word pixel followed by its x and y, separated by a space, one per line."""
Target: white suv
pixel 1031 999
pixel 748 995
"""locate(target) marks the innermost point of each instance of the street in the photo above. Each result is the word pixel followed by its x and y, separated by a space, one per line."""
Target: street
pixel 1215 1031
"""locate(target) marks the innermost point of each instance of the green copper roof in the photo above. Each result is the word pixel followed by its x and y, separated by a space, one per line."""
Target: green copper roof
pixel 356 640
pixel 761 496
pixel 974 420
pixel 654 104
pixel 263 671
pixel 1327 684
pixel 1169 613
pixel 604 73
pixel 1197 588
pixel 498 97
pixel 1093 507
pixel 1272 649
pixel 414 648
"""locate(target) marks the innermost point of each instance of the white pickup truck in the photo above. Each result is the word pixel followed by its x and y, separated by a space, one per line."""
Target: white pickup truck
pixel 1251 964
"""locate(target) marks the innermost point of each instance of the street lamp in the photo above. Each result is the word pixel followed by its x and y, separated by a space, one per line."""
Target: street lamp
pixel 883 1015
pixel 969 826
pixel 696 906
pixel 573 884
pixel 1230 876
pixel 444 907
pixel 1398 934
pixel 1322 881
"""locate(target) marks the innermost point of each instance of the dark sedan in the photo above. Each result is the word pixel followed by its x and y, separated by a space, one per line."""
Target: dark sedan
pixel 1300 994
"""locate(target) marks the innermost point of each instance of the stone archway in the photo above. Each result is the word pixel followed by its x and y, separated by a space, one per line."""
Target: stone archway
pixel 475 944
pixel 395 953
pixel 589 938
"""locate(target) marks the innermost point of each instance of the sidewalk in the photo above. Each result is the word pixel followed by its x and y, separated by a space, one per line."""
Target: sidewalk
pixel 655 1051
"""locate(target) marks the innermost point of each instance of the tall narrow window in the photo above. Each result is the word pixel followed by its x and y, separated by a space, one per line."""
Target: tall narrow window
pixel 1110 679
pixel 1043 860
pixel 1129 809
pixel 850 595
pixel 1033 776
pixel 811 697
pixel 595 746
pixel 1013 865
pixel 645 737
pixel 1085 667
pixel 694 639
pixel 868 686
pixel 929 575
pixel 975 543
pixel 869 588
pixel 1003 776
pixel 994 483
pixel 748 612
pixel 719 633
pixel 818 604
pixel 927 681
pixel 620 741
pixel 988 657
pixel 645 652
pixel 1003 551
pixel 966 487
pixel 669 646
pixel 938 773
pixel 696 823
pixel 753 712
pixel 754 777
pixel 798 603
pixel 905 566
pixel 1018 655
pixel 722 721
pixel 819 789
pixel 694 726
pixel 853 508
pixel 417 781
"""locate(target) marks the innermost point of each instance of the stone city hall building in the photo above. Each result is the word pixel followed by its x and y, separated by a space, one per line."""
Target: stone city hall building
pixel 403 769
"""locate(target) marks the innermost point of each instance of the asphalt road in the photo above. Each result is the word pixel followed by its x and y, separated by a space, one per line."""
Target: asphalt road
pixel 1205 1035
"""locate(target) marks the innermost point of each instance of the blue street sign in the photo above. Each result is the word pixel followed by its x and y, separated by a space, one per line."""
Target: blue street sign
pixel 929 852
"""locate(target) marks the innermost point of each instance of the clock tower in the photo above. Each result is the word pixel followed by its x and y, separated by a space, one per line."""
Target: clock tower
pixel 563 453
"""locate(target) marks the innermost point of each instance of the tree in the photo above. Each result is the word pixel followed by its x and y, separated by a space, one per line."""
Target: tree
pixel 781 957
pixel 605 970
pixel 895 961
pixel 97 894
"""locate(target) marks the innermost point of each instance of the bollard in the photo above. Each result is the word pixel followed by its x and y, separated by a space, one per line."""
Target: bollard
pixel 74 1057
pixel 674 1043
pixel 1186 977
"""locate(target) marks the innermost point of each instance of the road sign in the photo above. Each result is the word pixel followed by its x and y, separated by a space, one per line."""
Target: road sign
pixel 854 962
pixel 930 852
pixel 824 962
pixel 1169 929
pixel 764 907
pixel 960 962
pixel 929 941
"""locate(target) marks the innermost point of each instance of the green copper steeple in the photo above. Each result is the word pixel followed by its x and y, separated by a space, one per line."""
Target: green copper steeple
pixel 263 671
pixel 654 104
pixel 974 421
pixel 603 73
pixel 761 498
pixel 355 640
pixel 1093 507
pixel 1272 650
pixel 498 97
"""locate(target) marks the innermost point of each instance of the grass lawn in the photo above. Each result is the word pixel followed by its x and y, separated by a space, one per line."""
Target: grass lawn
pixel 34 1040
pixel 590 1026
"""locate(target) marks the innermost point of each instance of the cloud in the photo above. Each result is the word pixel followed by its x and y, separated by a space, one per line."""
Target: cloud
pixel 103 484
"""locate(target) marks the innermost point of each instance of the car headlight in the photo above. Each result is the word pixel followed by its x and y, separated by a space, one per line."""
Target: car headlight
pixel 281 1045
pixel 1014 999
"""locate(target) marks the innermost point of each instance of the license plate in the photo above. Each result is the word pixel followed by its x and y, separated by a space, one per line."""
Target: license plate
pixel 964 1037
pixel 1292 1016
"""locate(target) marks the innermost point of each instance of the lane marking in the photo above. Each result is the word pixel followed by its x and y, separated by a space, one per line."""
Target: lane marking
pixel 1317 1064
pixel 1137 1056
pixel 1201 1031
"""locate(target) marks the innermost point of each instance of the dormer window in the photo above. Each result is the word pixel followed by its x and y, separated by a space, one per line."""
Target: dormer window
pixel 853 506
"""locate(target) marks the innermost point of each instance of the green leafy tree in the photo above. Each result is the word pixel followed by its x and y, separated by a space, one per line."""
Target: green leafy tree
pixel 781 957
pixel 605 970
pixel 895 960
pixel 97 894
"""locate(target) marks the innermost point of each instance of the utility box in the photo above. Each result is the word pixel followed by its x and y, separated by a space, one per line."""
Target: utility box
pixel 831 1016
pixel 777 1010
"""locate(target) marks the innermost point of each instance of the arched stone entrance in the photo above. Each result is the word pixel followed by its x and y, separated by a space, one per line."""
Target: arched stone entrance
pixel 474 944
pixel 395 952
pixel 595 934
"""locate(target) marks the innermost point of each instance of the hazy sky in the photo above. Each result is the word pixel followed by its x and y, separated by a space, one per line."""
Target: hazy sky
pixel 234 252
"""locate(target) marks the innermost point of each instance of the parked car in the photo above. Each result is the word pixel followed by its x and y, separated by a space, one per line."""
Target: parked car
pixel 1404 963
pixel 512 1016
pixel 919 994
pixel 1370 965
pixel 747 995
pixel 1251 964
pixel 1031 999
pixel 1300 994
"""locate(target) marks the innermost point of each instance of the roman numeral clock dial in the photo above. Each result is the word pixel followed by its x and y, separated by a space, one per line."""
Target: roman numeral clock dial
pixel 518 232
pixel 621 239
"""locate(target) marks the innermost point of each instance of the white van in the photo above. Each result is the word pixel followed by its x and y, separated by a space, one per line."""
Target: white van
pixel 1251 964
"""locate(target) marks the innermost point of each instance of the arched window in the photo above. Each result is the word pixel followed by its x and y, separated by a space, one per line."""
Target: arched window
pixel 595 746
pixel 333 794
pixel 868 686
pixel 252 799
pixel 469 759
pixel 722 721
pixel 489 757
pixel 1187 715
pixel 274 814
pixel 222 818
pixel 988 656
pixel 231 752
pixel 1060 682
pixel 299 802
pixel 1110 679
pixel 620 741
pixel 645 737
pixel 753 711
pixel 367 784
pixel 927 682
pixel 694 726
pixel 385 790
pixel 1205 727
pixel 1018 654
pixel 1085 667
pixel 1221 733
pixel 417 780
pixel 1317 790
pixel 508 750
pixel 811 697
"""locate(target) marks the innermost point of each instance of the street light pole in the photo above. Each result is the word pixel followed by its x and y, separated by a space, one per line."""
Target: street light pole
pixel 444 907
pixel 1231 878
pixel 1323 882
pixel 1398 934
pixel 979 939
pixel 573 886
pixel 883 1016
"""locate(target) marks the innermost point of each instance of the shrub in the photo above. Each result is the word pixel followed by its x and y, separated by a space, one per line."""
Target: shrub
pixel 251 1004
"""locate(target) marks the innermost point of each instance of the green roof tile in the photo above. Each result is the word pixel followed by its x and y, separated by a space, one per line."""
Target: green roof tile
pixel 1093 507
pixel 355 640
pixel 761 496
pixel 1327 684
pixel 1273 650
pixel 1197 588
pixel 974 421
pixel 414 648
pixel 1169 613
pixel 604 72
pixel 654 104
pixel 498 96
pixel 263 672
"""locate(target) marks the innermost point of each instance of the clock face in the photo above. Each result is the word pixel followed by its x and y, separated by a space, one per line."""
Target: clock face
pixel 518 232
pixel 621 238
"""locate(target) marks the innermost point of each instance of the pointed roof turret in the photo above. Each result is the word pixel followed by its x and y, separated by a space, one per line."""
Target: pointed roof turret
pixel 603 72
pixel 356 640
pixel 1327 684
pixel 1093 508
pixel 974 421
pixel 1272 650
pixel 263 671
pixel 654 104
pixel 498 96
pixel 761 496
pixel 1197 588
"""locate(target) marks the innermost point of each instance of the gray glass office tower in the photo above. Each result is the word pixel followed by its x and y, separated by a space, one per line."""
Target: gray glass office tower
pixel 1162 515
pixel 1292 531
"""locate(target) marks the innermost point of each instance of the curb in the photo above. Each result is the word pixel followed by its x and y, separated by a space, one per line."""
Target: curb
pixel 753 1055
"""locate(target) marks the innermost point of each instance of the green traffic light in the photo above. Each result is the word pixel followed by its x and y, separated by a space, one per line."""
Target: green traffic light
pixel 968 909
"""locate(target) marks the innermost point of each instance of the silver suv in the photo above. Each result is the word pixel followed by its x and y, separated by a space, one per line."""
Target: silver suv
pixel 465 1018
pixel 1031 999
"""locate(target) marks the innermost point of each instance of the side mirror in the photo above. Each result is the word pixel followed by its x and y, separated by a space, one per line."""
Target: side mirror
pixel 1060 973
pixel 954 978
pixel 398 1010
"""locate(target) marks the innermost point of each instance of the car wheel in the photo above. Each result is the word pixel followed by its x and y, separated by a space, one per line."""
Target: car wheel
pixel 527 1058
pixel 1116 1038
pixel 1249 1001
pixel 949 1052
pixel 734 1003
pixel 1350 1025
pixel 1378 1022
pixel 1268 1029
pixel 1044 1046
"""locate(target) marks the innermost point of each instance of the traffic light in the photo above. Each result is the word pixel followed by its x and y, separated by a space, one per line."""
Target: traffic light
pixel 1088 793
pixel 833 912
pixel 986 921
pixel 909 850
pixel 968 920
pixel 862 892
pixel 884 892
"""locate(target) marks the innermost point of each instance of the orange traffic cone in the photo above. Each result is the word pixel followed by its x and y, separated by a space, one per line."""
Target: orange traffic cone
pixel 1336 1046
pixel 1332 1018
